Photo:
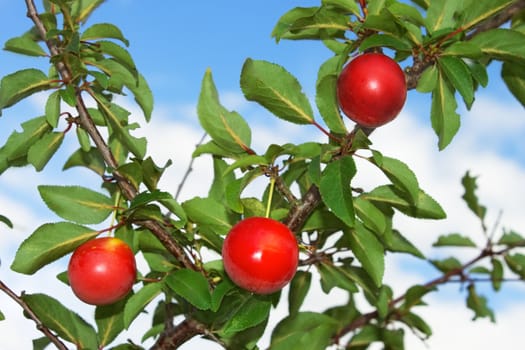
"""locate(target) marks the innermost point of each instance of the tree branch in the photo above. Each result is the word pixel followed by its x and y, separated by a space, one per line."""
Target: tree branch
pixel 180 334
pixel 39 325
pixel 445 278
pixel 87 123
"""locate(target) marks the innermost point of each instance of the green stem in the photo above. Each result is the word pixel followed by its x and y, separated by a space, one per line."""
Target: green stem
pixel 270 196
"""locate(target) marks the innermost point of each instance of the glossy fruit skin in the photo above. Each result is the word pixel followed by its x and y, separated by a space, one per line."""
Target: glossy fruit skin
pixel 260 255
pixel 102 271
pixel 371 89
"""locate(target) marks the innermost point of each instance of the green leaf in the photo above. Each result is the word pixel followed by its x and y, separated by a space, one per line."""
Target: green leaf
pixel 479 72
pixel 323 24
pixel 143 95
pixel 502 44
pixel 282 29
pixel 398 243
pixel 41 343
pixel 138 302
pixel 369 251
pixel 64 322
pixel 41 152
pixel 470 197
pixel 478 304
pixel 382 21
pixel 208 212
pixel 299 287
pixel 399 173
pixel 5 220
pixel 277 90
pixel 385 40
pixel 92 160
pixel 428 80
pixel 454 240
pixel 48 243
pixel 192 286
pixel 365 336
pixel 24 45
pixel 335 188
pixel 305 330
pixel 152 172
pixel 118 53
pixel 458 73
pixel 114 115
pixel 220 291
pixel 147 197
pixel 246 161
pixel 132 172
pixel 21 84
pixel 415 322
pixel 326 95
pixel 82 9
pixel 445 120
pixel 414 296
pixel 496 274
pixel 68 95
pixel 463 49
pixel 516 262
pixel 476 12
pixel 335 276
pixel 77 204
pixel 83 138
pixel 110 323
pixel 347 6
pixel 424 208
pixel 512 239
pixel 514 77
pixel 103 31
pixel 2 317
pixel 121 74
pixel 447 265
pixel 228 129
pixel 18 143
pixel 249 313
pixel 53 109
pixel 371 216
pixel 441 14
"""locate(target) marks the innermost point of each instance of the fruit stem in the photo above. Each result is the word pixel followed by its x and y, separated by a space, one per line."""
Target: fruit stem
pixel 327 133
pixel 270 197
pixel 116 206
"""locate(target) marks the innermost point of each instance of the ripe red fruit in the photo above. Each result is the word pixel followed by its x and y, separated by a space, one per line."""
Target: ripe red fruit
pixel 102 271
pixel 260 255
pixel 371 89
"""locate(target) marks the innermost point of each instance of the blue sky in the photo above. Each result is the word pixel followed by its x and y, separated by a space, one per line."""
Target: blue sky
pixel 173 43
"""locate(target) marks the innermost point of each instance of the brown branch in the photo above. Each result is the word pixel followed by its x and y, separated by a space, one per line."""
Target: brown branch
pixel 300 213
pixel 87 123
pixel 181 333
pixel 29 312
pixel 499 19
pixel 364 319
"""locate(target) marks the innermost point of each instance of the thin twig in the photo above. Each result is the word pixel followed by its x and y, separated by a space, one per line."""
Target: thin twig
pixel 189 169
pixel 29 312
pixel 445 278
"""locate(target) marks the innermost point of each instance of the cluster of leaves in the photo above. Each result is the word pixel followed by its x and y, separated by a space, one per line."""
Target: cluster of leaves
pixel 345 231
